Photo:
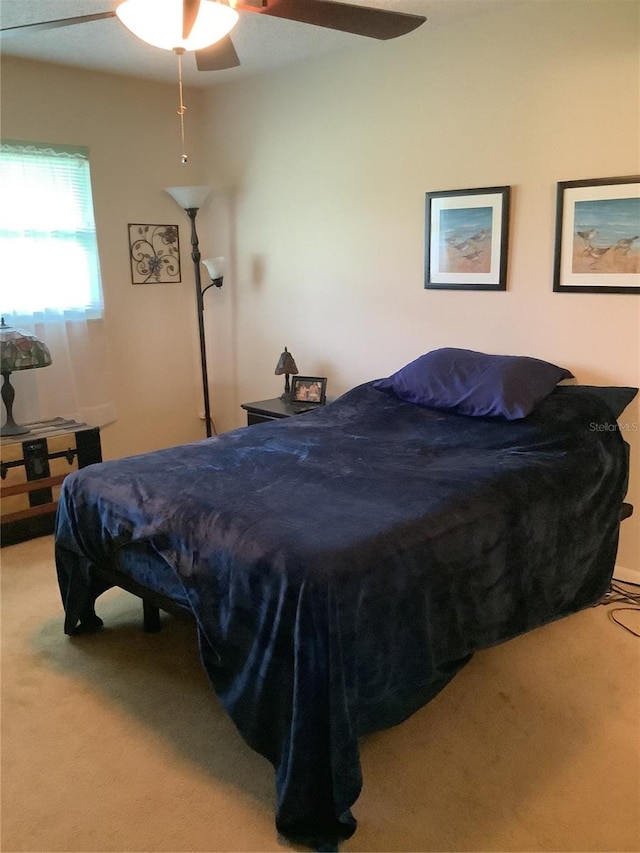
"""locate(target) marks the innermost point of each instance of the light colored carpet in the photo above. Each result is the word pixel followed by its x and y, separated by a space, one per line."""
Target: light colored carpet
pixel 115 742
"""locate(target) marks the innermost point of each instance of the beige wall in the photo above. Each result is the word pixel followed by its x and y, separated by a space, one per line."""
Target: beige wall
pixel 321 172
pixel 133 134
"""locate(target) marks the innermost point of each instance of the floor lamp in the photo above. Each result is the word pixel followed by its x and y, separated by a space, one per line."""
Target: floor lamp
pixel 191 200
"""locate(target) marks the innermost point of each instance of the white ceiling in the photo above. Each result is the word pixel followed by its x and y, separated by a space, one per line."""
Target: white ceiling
pixel 262 43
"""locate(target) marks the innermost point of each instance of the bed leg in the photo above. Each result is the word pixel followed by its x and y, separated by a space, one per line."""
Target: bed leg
pixel 89 622
pixel 151 617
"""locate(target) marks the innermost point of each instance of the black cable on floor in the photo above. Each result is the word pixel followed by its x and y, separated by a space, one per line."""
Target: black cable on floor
pixel 619 592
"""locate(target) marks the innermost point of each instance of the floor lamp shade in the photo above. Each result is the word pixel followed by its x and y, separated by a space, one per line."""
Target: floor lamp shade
pixel 215 267
pixel 19 350
pixel 189 198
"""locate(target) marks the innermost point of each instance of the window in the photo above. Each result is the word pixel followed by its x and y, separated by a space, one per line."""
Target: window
pixel 48 248
pixel 51 285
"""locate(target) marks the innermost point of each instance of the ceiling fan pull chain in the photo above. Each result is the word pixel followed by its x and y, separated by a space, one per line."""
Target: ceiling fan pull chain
pixel 181 109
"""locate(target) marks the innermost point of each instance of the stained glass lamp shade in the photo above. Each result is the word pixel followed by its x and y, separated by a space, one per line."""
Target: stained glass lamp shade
pixel 19 350
pixel 286 365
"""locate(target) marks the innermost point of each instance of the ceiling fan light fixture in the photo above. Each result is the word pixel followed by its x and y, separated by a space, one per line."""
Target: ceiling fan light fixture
pixel 159 23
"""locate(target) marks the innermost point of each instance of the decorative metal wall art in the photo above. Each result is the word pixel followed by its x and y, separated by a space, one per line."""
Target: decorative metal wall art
pixel 154 251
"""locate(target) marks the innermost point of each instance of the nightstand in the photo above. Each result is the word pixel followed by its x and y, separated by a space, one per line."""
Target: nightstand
pixel 33 465
pixel 272 410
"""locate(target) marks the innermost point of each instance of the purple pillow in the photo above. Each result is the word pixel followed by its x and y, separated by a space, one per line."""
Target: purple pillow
pixel 474 383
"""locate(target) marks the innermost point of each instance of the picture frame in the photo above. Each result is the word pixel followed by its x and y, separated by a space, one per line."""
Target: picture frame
pixel 309 389
pixel 467 239
pixel 597 240
pixel 154 253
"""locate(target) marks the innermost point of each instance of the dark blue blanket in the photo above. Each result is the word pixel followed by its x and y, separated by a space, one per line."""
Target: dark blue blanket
pixel 343 565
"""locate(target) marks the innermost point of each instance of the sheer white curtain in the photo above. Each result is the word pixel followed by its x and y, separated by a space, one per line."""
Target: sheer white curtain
pixel 50 274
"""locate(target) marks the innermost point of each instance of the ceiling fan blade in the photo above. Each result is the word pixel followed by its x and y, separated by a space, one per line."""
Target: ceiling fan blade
pixel 53 25
pixel 217 56
pixel 190 9
pixel 360 20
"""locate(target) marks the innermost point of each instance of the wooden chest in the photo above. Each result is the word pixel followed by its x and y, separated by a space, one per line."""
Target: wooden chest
pixel 33 466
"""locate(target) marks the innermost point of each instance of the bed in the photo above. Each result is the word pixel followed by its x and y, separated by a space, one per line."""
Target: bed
pixel 343 565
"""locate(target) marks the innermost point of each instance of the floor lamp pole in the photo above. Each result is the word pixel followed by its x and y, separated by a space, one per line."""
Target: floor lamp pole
pixel 192 212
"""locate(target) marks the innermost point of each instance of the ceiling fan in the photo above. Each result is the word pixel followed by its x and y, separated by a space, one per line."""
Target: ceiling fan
pixel 204 25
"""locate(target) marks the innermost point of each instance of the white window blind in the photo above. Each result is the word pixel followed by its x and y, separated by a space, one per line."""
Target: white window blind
pixel 48 247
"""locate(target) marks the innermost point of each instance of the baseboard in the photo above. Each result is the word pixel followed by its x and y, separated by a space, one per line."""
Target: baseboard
pixel 621 573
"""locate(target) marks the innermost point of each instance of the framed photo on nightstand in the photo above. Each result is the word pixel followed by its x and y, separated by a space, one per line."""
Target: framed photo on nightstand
pixel 308 389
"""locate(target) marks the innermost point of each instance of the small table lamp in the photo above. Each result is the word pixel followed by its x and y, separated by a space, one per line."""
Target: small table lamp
pixel 19 350
pixel 286 364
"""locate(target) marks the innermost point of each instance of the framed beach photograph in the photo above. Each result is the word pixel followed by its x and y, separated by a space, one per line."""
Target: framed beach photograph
pixel 308 389
pixel 597 247
pixel 154 252
pixel 466 239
